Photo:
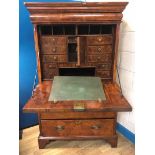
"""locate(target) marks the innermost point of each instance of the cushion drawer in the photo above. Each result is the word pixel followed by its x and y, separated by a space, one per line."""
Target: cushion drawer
pixel 99 40
pixel 94 127
pixel 77 115
pixel 99 49
pixel 106 57
pixel 54 58
pixel 49 40
pixel 51 49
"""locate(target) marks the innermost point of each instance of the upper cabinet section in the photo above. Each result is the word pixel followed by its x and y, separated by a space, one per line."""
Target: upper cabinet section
pixel 77 12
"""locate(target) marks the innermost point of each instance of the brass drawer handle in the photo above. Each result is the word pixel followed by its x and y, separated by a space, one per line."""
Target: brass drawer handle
pixel 99 39
pixel 59 128
pixel 98 58
pixel 50 66
pixel 53 39
pixel 55 58
pixel 96 127
pixel 78 122
pixel 54 50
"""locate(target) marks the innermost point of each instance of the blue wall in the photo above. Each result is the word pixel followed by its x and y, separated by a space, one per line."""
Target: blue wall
pixel 27 65
pixel 27 62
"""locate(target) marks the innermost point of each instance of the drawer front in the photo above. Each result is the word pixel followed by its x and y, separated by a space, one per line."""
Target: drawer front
pixel 107 57
pixel 99 40
pixel 49 66
pixel 49 40
pixel 107 66
pixel 99 49
pixel 49 74
pixel 103 66
pixel 51 49
pixel 77 115
pixel 54 58
pixel 61 128
pixel 103 74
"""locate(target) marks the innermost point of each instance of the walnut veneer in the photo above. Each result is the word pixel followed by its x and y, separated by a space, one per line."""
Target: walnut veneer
pixel 79 38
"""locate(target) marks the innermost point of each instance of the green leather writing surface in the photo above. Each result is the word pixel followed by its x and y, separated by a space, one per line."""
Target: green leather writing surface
pixel 67 88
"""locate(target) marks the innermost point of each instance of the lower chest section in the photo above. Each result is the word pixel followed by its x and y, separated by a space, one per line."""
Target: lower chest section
pixel 76 124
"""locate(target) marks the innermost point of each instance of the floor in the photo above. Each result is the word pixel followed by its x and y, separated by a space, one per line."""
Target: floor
pixel 29 146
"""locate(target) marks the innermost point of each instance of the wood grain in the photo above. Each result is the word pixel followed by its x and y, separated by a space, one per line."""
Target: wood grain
pixel 28 145
pixel 97 46
pixel 39 103
pixel 37 52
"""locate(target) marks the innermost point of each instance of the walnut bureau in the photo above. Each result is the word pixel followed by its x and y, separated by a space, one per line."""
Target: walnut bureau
pixel 76 39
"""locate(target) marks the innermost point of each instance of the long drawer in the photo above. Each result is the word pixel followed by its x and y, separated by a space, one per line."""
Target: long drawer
pixel 99 49
pixel 54 58
pixel 94 127
pixel 107 57
pixel 99 40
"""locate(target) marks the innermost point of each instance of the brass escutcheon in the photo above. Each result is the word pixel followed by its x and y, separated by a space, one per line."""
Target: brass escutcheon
pixel 79 107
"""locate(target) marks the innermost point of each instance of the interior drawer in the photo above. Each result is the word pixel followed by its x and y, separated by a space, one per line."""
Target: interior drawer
pixel 53 49
pixel 106 57
pixel 103 73
pixel 77 115
pixel 48 66
pixel 49 74
pixel 99 40
pixel 52 40
pixel 54 58
pixel 61 128
pixel 99 49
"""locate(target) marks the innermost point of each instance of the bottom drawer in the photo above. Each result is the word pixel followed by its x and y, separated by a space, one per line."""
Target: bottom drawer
pixel 70 128
pixel 49 74
pixel 103 73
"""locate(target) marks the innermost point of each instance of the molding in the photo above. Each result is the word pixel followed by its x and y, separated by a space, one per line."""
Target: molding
pixel 126 133
pixel 77 12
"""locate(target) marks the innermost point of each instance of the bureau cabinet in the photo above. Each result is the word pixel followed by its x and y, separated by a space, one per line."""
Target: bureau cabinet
pixel 76 39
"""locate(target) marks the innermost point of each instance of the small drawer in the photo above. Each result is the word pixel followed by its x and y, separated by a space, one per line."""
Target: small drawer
pixel 62 64
pixel 99 40
pixel 61 128
pixel 106 57
pixel 99 49
pixel 54 58
pixel 51 49
pixel 49 40
pixel 49 74
pixel 106 66
pixel 103 73
pixel 49 66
